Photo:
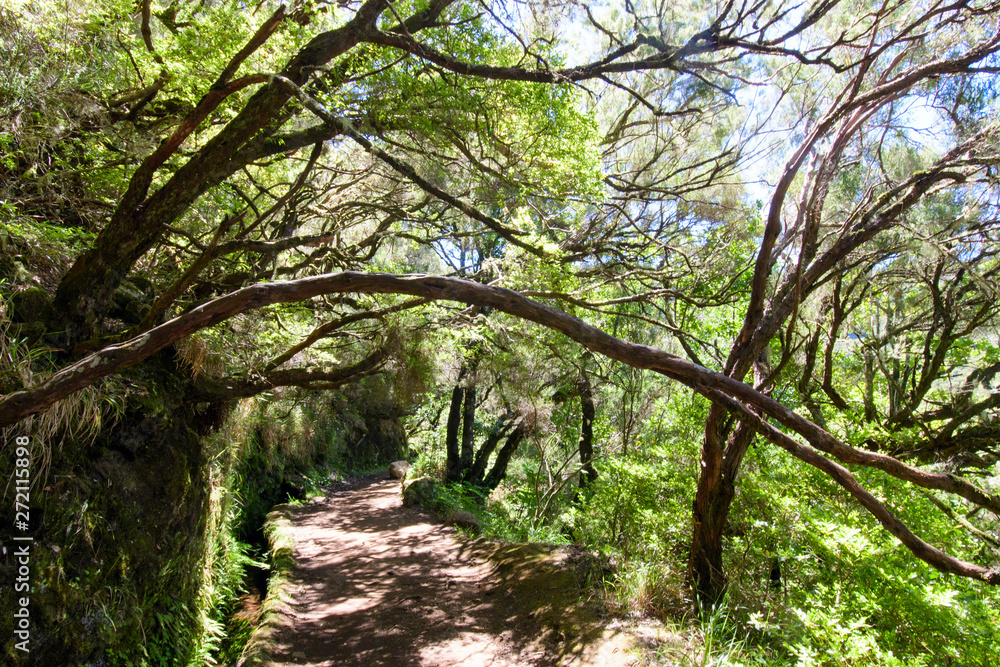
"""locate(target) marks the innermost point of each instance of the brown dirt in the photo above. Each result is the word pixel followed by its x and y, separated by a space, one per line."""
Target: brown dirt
pixel 248 607
pixel 376 583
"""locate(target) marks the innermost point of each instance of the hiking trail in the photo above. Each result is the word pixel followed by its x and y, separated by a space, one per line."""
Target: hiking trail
pixel 377 583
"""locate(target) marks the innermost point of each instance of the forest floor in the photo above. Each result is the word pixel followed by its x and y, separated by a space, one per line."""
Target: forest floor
pixel 377 583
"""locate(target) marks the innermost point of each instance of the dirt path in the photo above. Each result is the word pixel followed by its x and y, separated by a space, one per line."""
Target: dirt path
pixel 376 583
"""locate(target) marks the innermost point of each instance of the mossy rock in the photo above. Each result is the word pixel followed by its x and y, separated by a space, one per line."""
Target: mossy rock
pixel 33 305
pixel 466 520
pixel 131 302
pixel 419 492
pixel 10 381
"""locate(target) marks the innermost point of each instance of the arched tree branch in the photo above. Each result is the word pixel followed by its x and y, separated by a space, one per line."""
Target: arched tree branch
pixel 224 389
pixel 111 359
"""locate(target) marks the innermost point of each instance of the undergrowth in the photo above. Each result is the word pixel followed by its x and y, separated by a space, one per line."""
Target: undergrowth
pixel 814 581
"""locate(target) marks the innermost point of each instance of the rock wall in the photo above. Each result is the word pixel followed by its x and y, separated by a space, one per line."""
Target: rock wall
pixel 119 535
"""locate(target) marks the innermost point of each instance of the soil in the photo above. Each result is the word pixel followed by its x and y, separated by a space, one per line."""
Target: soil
pixel 377 583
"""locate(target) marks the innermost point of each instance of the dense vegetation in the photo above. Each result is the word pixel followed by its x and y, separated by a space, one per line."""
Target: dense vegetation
pixel 709 288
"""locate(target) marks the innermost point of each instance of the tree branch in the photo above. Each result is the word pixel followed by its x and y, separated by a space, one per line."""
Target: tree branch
pixel 324 329
pixel 345 128
pixel 111 359
pixel 921 549
pixel 223 389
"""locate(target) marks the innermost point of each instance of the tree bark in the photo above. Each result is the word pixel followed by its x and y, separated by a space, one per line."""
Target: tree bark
pixel 499 470
pixel 711 507
pixel 468 432
pixel 587 412
pixel 453 466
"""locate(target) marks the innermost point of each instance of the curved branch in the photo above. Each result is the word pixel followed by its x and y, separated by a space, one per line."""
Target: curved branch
pixel 19 405
pixel 145 30
pixel 919 548
pixel 593 70
pixel 224 389
pixel 324 329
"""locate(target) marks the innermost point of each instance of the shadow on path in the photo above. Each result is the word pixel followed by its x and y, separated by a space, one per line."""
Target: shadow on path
pixel 376 583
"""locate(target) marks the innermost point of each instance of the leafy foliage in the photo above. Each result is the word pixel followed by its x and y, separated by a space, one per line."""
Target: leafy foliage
pixel 801 198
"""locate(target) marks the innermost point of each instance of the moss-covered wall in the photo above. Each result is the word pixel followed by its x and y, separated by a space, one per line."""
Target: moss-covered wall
pixel 119 529
pixel 137 531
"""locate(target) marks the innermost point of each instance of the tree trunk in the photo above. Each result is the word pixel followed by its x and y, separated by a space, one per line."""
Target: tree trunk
pixel 477 473
pixel 711 507
pixel 895 392
pixel 713 499
pixel 453 467
pixel 499 470
pixel 870 413
pixel 139 220
pixel 468 434
pixel 588 473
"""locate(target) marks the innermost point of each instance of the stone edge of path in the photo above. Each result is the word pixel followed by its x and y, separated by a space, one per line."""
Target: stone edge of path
pixel 276 529
pixel 276 607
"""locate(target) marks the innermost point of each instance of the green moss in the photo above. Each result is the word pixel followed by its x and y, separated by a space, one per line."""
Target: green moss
pixel 10 381
pixel 144 531
pixel 121 537
pixel 32 305
pixel 281 549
